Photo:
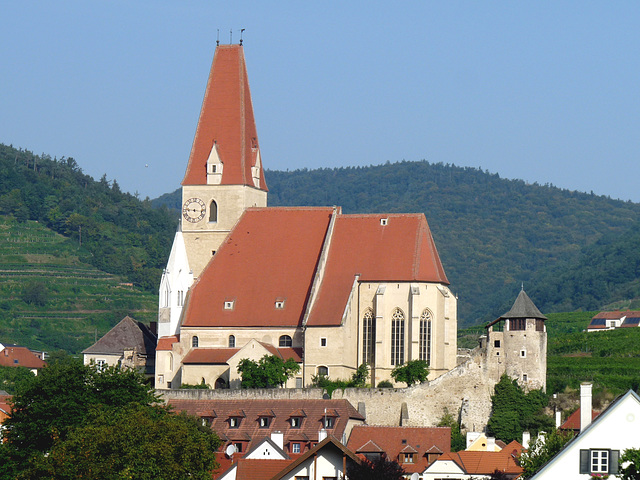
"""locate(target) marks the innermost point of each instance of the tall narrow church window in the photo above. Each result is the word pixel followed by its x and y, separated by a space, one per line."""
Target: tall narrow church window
pixel 194 341
pixel 367 337
pixel 397 337
pixel 213 211
pixel 232 341
pixel 285 341
pixel 425 336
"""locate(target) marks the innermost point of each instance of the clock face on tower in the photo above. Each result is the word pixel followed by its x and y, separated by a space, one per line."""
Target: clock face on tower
pixel 194 210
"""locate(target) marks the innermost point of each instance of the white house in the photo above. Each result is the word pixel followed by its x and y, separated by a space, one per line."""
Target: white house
pixel 598 446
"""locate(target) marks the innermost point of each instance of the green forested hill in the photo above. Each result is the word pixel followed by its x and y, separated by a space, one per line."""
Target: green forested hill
pixel 51 300
pixel 115 231
pixel 493 234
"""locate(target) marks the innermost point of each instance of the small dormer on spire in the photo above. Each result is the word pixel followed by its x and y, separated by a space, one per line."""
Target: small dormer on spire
pixel 214 166
pixel 256 168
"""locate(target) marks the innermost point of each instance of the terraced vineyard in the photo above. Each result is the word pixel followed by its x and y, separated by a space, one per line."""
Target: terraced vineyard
pixel 51 300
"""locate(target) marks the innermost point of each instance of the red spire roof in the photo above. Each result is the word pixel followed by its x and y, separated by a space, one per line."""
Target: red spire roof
pixel 226 119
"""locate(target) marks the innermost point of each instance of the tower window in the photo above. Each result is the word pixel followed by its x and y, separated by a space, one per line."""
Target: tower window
pixel 523 353
pixel 232 341
pixel 425 336
pixel 367 336
pixel 323 342
pixel 324 371
pixel 397 337
pixel 213 211
pixel 285 341
pixel 194 341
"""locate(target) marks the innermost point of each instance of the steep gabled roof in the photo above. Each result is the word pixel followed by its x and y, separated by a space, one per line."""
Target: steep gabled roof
pixel 128 334
pixel 396 440
pixel 271 254
pixel 226 120
pixel 573 421
pixel 380 247
pixel 523 307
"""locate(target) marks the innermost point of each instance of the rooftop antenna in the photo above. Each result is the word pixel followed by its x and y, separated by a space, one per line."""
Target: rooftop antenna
pixel 241 30
pixel 523 286
pixel 218 38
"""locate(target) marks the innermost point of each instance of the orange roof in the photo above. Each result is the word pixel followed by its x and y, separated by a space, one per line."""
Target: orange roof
pixel 270 254
pixel 259 469
pixel 166 343
pixel 394 440
pixel 403 250
pixel 209 355
pixel 483 463
pixel 226 119
pixel 5 407
pixel 573 422
pixel 15 356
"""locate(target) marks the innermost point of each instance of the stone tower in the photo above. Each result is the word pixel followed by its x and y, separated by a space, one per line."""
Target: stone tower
pixel 516 344
pixel 224 177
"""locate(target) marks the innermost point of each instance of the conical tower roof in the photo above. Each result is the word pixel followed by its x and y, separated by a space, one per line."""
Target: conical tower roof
pixel 226 127
pixel 523 307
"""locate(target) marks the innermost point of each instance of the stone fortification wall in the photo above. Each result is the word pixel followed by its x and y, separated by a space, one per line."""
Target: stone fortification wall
pixel 465 391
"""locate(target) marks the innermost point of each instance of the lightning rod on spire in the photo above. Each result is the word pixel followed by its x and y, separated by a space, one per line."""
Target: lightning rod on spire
pixel 241 30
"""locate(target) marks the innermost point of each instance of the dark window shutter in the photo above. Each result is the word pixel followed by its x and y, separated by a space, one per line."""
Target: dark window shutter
pixel 614 457
pixel 585 459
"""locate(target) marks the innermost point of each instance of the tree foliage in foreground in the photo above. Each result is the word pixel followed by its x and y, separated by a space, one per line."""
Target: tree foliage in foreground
pixel 631 460
pixel 73 422
pixel 458 440
pixel 269 372
pixel 358 380
pixel 541 450
pixel 413 371
pixel 381 469
pixel 137 442
pixel 513 411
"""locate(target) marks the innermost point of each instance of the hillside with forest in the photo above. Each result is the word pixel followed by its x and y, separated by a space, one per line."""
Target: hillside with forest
pixel 571 250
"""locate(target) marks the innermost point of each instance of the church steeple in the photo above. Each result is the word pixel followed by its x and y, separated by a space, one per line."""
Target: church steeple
pixel 225 149
pixel 224 174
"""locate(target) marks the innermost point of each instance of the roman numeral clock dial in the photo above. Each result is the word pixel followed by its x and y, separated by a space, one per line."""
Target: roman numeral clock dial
pixel 194 210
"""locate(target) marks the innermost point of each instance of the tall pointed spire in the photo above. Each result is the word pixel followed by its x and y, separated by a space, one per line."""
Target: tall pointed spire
pixel 225 148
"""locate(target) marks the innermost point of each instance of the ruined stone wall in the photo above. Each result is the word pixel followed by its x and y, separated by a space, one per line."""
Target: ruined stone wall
pixel 464 391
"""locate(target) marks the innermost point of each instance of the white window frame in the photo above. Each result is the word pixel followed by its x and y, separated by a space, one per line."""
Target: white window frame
pixel 295 447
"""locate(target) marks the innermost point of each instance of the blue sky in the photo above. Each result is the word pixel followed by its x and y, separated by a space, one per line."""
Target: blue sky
pixel 543 91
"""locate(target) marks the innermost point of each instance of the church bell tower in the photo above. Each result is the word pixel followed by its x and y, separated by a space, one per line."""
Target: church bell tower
pixel 224 177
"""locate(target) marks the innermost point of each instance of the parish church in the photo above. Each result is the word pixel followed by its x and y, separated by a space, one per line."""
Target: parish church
pixel 328 289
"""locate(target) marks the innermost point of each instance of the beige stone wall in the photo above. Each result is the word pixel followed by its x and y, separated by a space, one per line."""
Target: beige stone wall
pixel 203 237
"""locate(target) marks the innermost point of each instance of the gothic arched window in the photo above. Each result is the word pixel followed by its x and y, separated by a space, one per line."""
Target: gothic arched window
pixel 285 341
pixel 213 211
pixel 232 341
pixel 194 341
pixel 425 335
pixel 324 371
pixel 367 336
pixel 397 337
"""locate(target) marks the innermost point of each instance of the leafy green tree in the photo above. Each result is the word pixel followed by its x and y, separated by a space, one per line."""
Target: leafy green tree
pixel 35 292
pixel 381 469
pixel 49 406
pixel 11 377
pixel 630 458
pixel 541 450
pixel 513 411
pixel 458 440
pixel 413 371
pixel 269 372
pixel 136 442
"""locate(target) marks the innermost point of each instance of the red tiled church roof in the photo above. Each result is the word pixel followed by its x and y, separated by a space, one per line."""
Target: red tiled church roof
pixel 226 118
pixel 403 250
pixel 270 254
pixel 209 355
pixel 166 343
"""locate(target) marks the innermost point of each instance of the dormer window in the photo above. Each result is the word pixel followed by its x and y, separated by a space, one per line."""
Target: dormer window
pixel 279 304
pixel 234 422
pixel 264 422
pixel 229 304
pixel 384 221
pixel 296 422
pixel 328 422
pixel 407 458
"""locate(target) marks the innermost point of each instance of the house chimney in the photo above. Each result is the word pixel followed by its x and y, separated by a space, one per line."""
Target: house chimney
pixel 558 418
pixel 526 439
pixel 585 405
pixel 491 444
pixel 322 434
pixel 277 437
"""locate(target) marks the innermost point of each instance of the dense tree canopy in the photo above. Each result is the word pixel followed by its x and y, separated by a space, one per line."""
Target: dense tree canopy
pixel 541 450
pixel 513 411
pixel 270 371
pixel 381 469
pixel 73 421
